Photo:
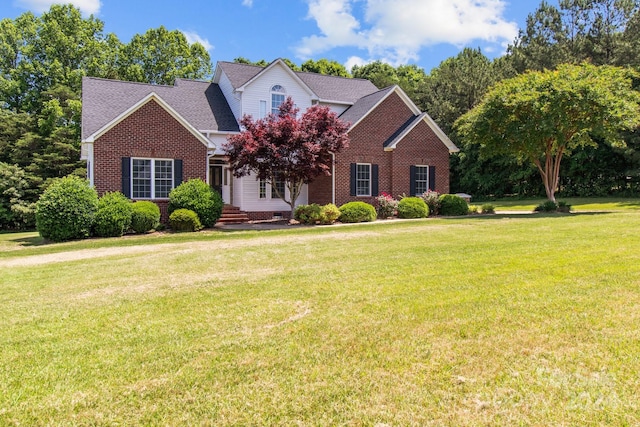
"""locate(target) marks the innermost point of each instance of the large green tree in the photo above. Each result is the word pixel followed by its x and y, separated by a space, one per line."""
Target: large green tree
pixel 541 117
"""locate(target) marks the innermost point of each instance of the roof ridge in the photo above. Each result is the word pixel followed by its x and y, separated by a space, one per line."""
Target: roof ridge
pixel 127 82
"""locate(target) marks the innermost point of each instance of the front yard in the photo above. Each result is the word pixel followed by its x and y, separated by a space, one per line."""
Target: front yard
pixel 499 320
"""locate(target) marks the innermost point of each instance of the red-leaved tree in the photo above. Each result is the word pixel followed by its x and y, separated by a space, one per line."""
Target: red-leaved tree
pixel 284 147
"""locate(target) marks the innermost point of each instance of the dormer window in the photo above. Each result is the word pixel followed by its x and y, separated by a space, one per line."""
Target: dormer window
pixel 277 98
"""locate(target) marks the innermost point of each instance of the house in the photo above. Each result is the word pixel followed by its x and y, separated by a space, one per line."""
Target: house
pixel 145 139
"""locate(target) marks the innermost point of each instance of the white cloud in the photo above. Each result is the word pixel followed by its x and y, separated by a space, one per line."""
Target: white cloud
pixel 355 60
pixel 87 7
pixel 247 3
pixel 397 30
pixel 193 37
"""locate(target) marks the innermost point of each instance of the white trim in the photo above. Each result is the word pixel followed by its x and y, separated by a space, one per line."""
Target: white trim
pixel 152 178
pixel 280 62
pixel 434 127
pixel 150 97
pixel 416 181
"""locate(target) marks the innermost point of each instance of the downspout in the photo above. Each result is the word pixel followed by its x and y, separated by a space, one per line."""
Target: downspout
pixel 333 178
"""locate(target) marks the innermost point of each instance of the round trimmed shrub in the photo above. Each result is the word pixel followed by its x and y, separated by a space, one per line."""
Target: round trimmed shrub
pixel 196 195
pixel 329 213
pixel 184 220
pixel 145 216
pixel 452 205
pixel 113 217
pixel 412 207
pixel 488 208
pixel 357 212
pixel 307 214
pixel 66 209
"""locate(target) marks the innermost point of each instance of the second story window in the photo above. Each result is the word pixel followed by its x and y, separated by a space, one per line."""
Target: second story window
pixel 277 98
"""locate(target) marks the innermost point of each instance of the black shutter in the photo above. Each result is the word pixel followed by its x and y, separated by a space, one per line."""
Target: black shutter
pixel 412 180
pixel 432 178
pixel 177 172
pixel 353 179
pixel 374 180
pixel 126 176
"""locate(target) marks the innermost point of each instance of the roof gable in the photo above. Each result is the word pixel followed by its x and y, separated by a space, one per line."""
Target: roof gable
pixel 200 104
pixel 149 98
pixel 324 88
pixel 405 130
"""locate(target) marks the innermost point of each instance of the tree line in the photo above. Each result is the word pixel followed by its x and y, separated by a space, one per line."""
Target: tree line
pixel 43 59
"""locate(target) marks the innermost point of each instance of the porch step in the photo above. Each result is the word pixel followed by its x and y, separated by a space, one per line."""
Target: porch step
pixel 232 215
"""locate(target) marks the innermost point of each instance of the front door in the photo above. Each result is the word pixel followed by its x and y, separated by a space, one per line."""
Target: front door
pixel 215 177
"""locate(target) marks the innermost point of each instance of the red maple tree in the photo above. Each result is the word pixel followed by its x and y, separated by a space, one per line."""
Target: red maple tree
pixel 287 148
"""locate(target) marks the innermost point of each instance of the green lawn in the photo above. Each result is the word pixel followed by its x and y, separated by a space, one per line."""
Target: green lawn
pixel 578 204
pixel 499 320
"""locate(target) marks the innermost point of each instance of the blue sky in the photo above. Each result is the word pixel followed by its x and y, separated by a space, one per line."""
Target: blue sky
pixel 422 32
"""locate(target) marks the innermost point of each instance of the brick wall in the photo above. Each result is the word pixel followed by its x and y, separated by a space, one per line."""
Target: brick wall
pixel 149 132
pixel 420 147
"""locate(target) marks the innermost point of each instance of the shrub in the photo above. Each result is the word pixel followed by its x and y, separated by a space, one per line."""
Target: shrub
pixel 551 206
pixel 145 216
pixel 452 205
pixel 307 214
pixel 432 199
pixel 357 212
pixel 473 209
pixel 329 213
pixel 547 206
pixel 412 207
pixel 113 217
pixel 488 208
pixel 196 195
pixel 184 220
pixel 387 205
pixel 66 209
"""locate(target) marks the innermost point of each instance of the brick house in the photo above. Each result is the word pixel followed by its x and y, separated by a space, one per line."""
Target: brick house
pixel 145 139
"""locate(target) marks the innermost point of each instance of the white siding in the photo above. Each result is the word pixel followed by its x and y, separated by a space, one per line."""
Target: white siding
pixel 232 98
pixel 260 90
pixel 249 189
pixel 336 108
pixel 218 140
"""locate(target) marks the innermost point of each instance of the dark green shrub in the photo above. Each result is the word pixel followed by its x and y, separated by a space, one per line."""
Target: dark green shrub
pixel 488 208
pixel 564 207
pixel 547 206
pixel 113 217
pixel 329 213
pixel 357 212
pixel 17 209
pixel 66 209
pixel 307 214
pixel 196 195
pixel 452 205
pixel 184 220
pixel 432 199
pixel 412 207
pixel 145 216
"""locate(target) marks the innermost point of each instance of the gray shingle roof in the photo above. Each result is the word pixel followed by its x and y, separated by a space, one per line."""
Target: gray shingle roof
pixel 202 104
pixel 328 88
pixel 363 105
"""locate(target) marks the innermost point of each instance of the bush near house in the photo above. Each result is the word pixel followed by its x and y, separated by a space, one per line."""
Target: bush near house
pixel 145 216
pixel 184 220
pixel 357 212
pixel 329 214
pixel 113 217
pixel 307 214
pixel 452 205
pixel 412 207
pixel 387 205
pixel 432 199
pixel 66 209
pixel 196 195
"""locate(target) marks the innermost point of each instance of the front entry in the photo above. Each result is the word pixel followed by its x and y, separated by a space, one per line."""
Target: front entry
pixel 216 177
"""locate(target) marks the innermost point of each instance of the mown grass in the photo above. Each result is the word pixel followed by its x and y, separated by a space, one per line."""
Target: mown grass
pixel 501 320
pixel 579 204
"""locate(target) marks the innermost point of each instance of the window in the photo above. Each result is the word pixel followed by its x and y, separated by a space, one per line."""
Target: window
pixel 421 180
pixel 151 178
pixel 363 179
pixel 277 98
pixel 277 184
pixel 263 109
pixel 262 188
